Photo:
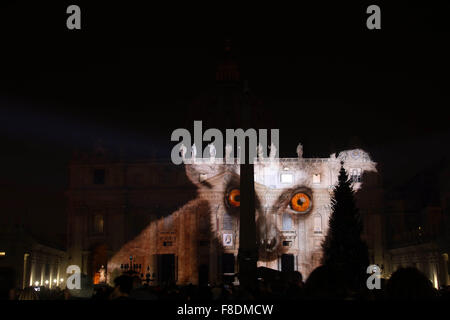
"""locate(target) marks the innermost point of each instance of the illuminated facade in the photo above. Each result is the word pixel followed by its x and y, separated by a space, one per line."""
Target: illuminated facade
pixel 29 262
pixel 183 221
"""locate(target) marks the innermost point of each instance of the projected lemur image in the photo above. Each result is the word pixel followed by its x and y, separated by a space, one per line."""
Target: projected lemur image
pixel 292 213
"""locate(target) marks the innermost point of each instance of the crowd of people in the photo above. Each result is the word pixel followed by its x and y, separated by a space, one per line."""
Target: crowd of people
pixel 322 283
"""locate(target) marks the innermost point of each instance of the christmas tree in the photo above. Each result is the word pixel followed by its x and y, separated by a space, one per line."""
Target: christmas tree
pixel 343 248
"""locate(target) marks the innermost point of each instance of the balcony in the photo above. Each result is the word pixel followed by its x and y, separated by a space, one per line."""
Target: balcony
pixel 288 234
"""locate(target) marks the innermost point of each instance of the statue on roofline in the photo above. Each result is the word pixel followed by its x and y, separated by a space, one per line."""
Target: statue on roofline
pixel 300 150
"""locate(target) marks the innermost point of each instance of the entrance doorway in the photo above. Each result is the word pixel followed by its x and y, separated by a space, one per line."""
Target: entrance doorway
pixel 166 268
pixel 98 261
pixel 228 261
pixel 287 262
pixel 203 275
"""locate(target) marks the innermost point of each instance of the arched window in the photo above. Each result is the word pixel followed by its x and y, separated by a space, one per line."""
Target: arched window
pixel 168 223
pixel 355 174
pixel 287 221
pixel 98 223
pixel 316 178
pixel 318 223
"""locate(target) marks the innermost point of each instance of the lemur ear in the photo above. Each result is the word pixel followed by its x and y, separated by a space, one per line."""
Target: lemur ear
pixel 355 161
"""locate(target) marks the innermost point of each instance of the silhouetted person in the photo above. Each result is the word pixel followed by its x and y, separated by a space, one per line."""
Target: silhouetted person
pixel 6 286
pixel 28 294
pixel 204 293
pixel 123 286
pixel 140 292
pixel 409 283
pixel 102 292
pixel 84 293
pixel 295 286
pixel 325 283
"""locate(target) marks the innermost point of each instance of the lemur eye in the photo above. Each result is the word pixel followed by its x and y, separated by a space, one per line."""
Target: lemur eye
pixel 234 198
pixel 300 202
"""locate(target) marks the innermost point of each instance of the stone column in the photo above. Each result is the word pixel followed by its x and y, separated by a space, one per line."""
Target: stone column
pixel 25 268
pixel 32 271
pixel 50 284
pixel 182 248
pixel 444 278
pixel 85 258
pixel 42 274
pixel 193 246
pixel 58 267
pixel 213 272
pixel 152 263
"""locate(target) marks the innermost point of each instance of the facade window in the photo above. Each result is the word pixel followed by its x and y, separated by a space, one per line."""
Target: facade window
pixel 318 243
pixel 99 176
pixel 98 223
pixel 287 178
pixel 228 263
pixel 168 223
pixel 317 224
pixel 316 178
pixel 355 175
pixel 287 221
pixel 227 221
pixel 287 262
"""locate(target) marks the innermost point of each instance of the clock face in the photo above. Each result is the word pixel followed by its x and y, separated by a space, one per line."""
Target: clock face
pixel 356 154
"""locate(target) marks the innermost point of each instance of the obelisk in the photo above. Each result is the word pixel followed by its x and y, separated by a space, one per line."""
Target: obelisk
pixel 248 252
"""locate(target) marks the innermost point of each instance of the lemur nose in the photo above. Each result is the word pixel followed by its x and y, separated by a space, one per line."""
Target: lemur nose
pixel 268 234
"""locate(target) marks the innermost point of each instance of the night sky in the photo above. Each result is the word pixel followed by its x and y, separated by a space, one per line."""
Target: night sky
pixel 131 75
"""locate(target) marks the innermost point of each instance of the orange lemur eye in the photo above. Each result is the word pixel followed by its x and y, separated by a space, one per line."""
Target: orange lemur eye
pixel 234 197
pixel 300 202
